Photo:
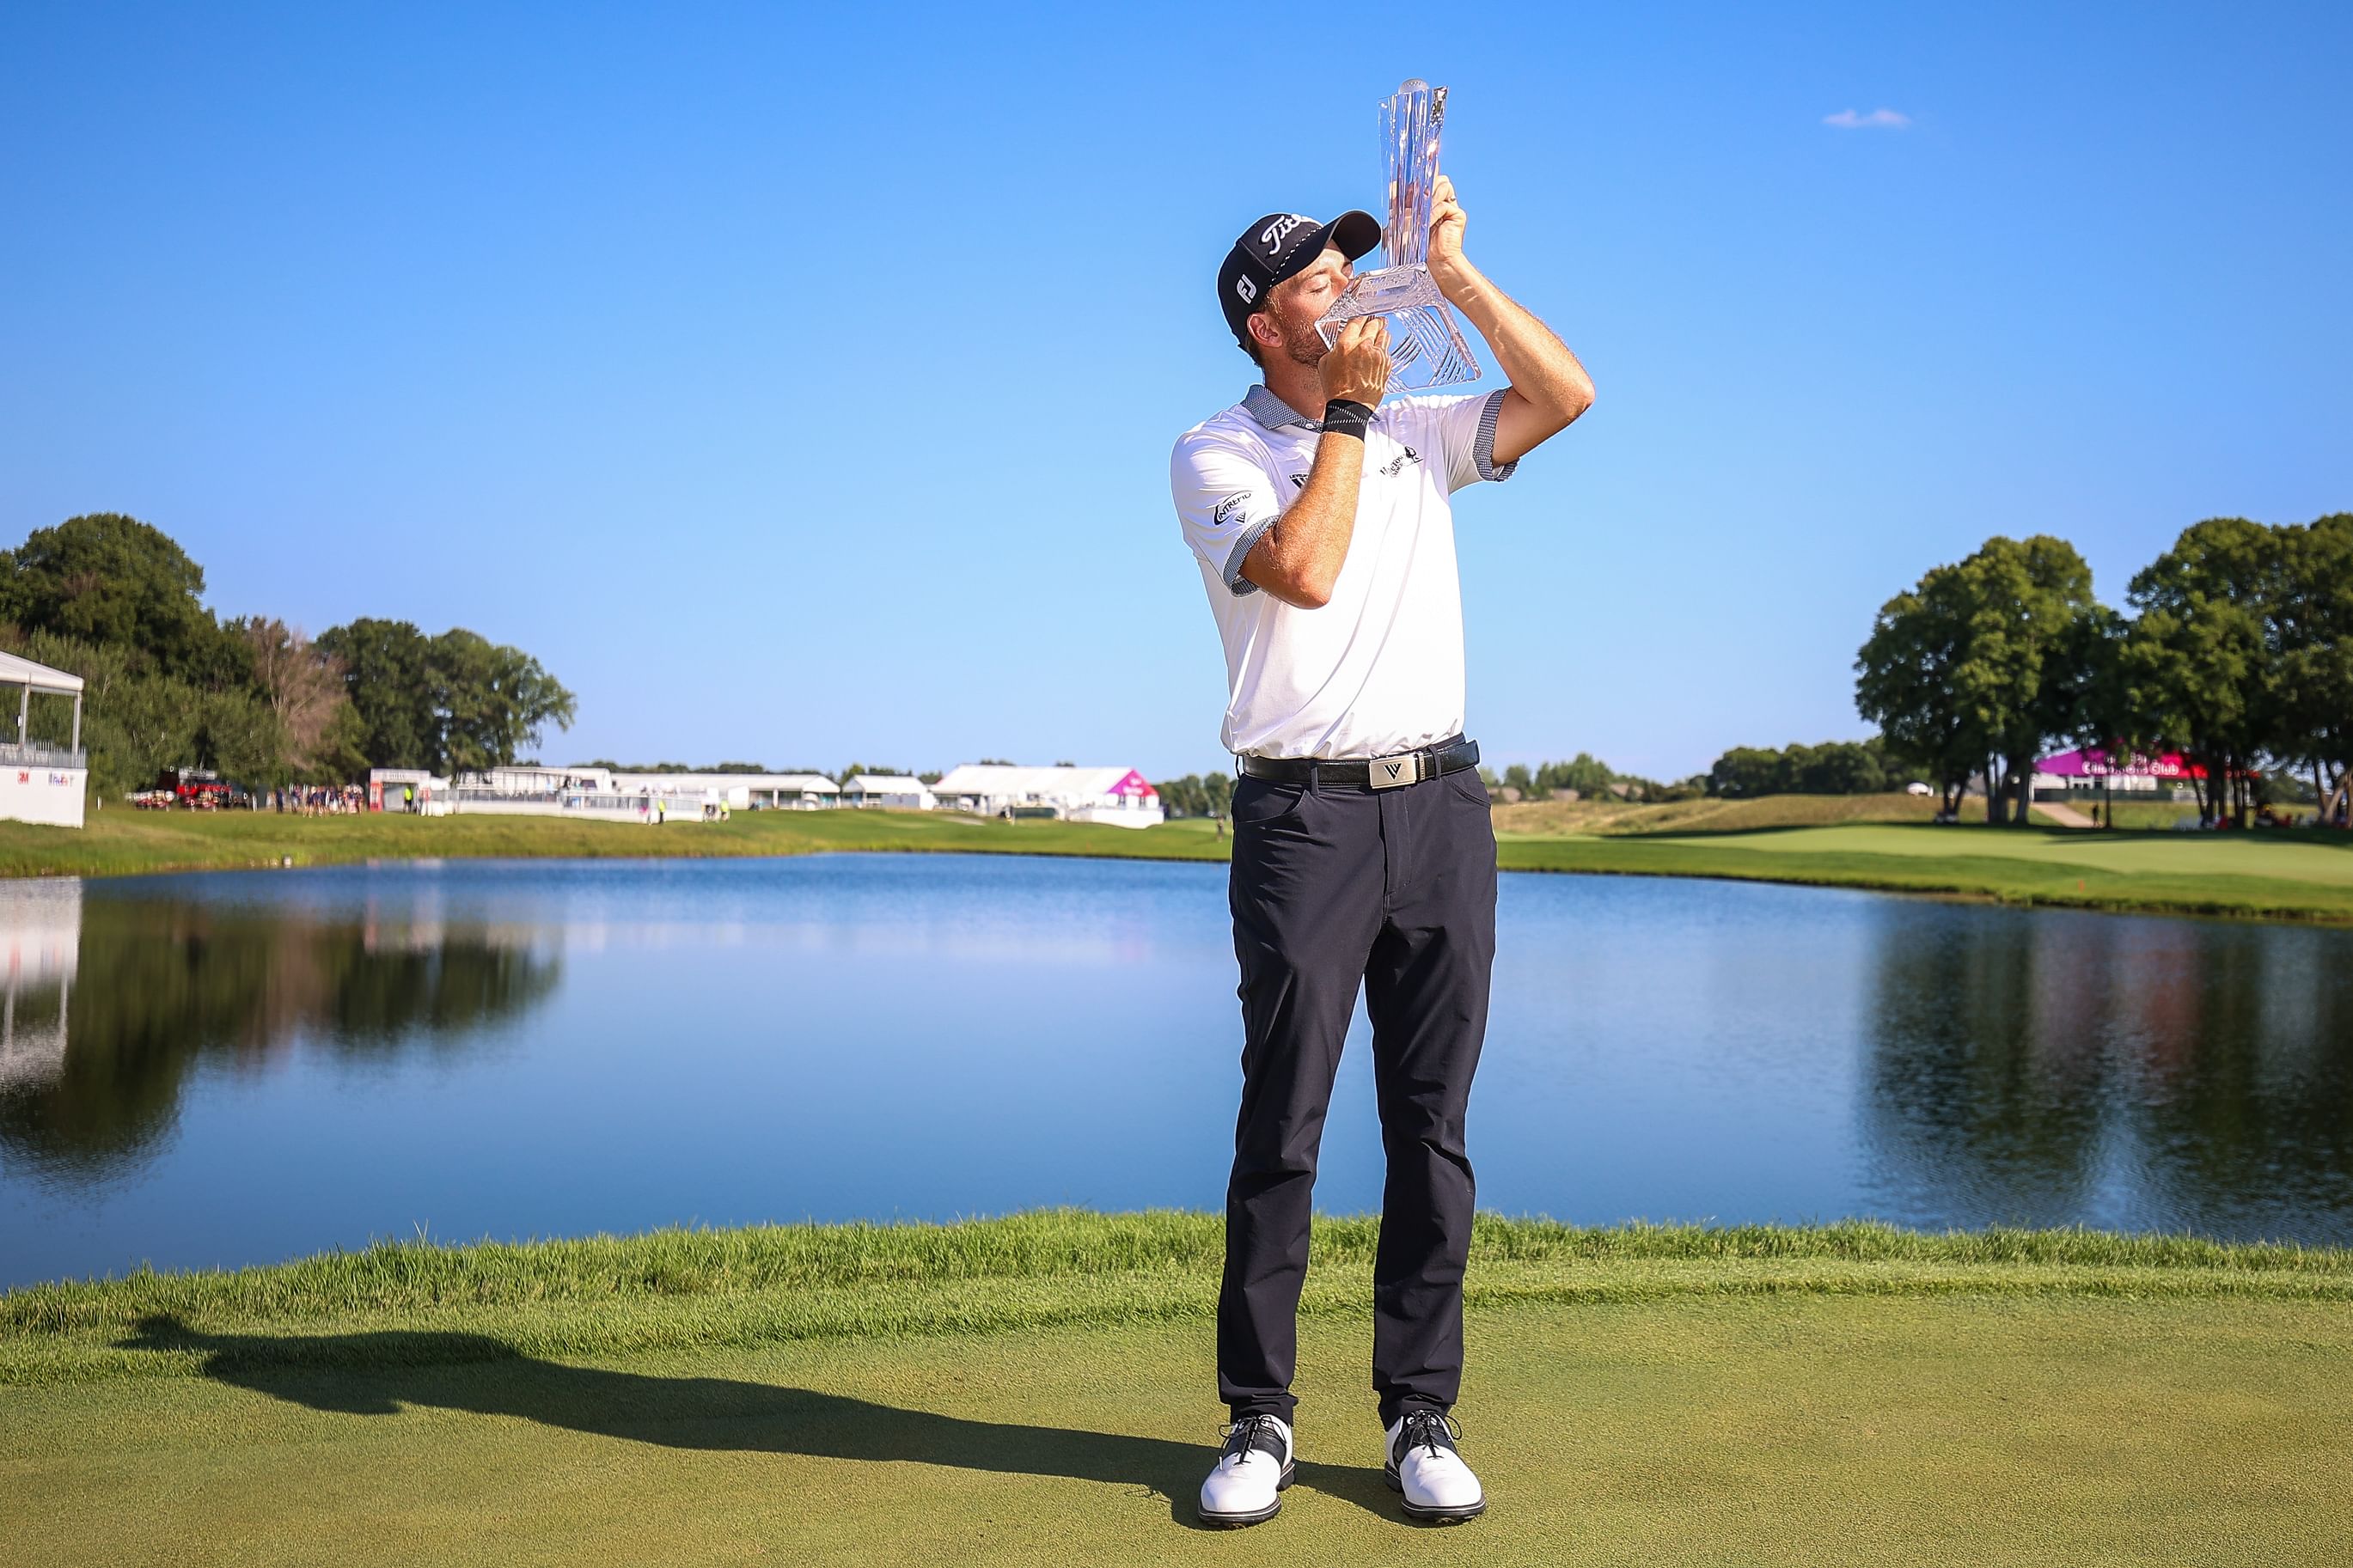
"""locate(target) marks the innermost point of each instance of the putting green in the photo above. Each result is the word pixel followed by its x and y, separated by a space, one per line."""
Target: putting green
pixel 1986 1428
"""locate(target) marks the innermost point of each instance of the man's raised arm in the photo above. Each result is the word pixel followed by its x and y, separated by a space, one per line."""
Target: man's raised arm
pixel 1300 557
pixel 1549 388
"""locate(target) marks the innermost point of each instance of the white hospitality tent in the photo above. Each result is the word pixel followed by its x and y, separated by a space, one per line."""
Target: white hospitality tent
pixel 887 789
pixel 1122 797
pixel 43 783
pixel 30 678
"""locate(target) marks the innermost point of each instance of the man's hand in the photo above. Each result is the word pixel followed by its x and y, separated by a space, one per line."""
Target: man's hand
pixel 1548 388
pixel 1358 368
pixel 1447 222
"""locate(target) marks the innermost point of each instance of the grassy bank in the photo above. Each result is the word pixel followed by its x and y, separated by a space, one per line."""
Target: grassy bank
pixel 1867 842
pixel 122 842
pixel 2284 875
pixel 688 1289
pixel 1039 1390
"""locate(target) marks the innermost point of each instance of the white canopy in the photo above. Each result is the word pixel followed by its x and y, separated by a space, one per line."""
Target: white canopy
pixel 998 781
pixel 16 671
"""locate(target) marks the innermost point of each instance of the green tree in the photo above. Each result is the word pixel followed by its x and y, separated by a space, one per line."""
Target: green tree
pixel 1980 665
pixel 2200 664
pixel 450 703
pixel 1585 773
pixel 1905 682
pixel 114 580
pixel 303 686
pixel 2313 632
pixel 386 670
pixel 491 701
pixel 1219 788
pixel 1184 797
pixel 2031 604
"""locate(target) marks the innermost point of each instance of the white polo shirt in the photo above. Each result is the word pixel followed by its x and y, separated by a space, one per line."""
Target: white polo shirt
pixel 1378 670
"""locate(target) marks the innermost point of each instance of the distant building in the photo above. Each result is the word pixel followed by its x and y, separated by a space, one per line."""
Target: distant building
pixel 531 789
pixel 1118 796
pixel 888 789
pixel 797 791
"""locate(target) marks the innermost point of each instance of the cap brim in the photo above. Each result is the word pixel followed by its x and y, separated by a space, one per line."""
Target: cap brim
pixel 1354 232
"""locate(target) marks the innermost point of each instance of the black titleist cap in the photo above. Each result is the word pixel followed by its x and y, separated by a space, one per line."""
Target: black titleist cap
pixel 1280 246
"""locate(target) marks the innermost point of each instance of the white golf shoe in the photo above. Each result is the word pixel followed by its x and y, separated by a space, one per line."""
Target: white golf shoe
pixel 1428 1474
pixel 1245 1487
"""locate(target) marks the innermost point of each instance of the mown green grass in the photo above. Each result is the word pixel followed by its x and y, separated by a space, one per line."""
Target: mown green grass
pixel 2287 875
pixel 1039 1390
pixel 124 842
pixel 676 1290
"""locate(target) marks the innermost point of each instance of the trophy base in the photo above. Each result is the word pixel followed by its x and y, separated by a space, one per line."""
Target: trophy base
pixel 1426 348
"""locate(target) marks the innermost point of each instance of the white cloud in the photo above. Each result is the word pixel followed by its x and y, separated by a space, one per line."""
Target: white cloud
pixel 1877 119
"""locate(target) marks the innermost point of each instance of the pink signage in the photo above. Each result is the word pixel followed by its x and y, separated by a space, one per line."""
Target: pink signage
pixel 2092 763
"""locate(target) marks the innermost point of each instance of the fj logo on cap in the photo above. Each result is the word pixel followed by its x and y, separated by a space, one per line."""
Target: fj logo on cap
pixel 1246 289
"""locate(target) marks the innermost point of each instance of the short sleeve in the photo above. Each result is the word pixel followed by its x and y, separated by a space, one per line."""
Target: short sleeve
pixel 1226 498
pixel 1463 428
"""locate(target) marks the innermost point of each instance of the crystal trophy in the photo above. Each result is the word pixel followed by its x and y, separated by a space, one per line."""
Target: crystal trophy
pixel 1426 347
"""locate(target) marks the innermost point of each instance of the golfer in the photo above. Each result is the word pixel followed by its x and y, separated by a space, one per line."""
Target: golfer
pixel 1363 853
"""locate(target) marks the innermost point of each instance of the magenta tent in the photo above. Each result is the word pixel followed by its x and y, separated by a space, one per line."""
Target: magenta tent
pixel 2092 763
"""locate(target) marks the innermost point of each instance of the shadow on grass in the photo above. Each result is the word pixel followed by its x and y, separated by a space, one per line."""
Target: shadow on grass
pixel 383 1373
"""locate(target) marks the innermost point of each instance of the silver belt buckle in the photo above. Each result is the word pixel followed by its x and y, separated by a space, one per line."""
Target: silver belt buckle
pixel 1394 773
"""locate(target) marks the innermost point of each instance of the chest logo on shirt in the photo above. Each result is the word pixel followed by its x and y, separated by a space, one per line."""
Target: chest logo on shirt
pixel 1228 507
pixel 1299 481
pixel 1396 465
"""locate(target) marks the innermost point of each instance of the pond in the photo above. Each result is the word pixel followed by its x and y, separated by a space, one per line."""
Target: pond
pixel 238 1068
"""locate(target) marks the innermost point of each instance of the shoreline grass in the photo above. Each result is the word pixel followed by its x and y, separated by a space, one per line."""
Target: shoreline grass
pixel 1833 842
pixel 680 1289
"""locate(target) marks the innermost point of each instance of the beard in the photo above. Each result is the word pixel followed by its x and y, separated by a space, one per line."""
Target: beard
pixel 1302 344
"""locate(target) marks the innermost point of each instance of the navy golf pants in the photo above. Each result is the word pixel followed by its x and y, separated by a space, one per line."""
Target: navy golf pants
pixel 1333 886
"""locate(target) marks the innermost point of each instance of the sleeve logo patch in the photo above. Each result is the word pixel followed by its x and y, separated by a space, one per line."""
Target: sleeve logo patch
pixel 1228 508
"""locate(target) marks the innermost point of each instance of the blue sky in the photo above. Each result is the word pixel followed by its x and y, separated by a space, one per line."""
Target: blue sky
pixel 801 389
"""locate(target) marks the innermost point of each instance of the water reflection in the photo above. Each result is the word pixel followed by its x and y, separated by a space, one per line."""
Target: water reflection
pixel 229 1069
pixel 113 1005
pixel 2057 1068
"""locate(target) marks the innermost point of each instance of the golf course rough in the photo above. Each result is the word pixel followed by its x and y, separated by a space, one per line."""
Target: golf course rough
pixel 1039 1389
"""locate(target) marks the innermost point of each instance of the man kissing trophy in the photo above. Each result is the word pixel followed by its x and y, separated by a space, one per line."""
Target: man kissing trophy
pixel 1363 855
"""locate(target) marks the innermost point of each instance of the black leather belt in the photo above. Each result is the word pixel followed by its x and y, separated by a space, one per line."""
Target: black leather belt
pixel 1379 773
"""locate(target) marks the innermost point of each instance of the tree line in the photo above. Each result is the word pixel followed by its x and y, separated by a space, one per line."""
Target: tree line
pixel 168 684
pixel 2237 653
pixel 1834 767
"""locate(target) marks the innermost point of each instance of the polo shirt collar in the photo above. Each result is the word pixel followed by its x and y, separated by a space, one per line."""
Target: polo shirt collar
pixel 1273 413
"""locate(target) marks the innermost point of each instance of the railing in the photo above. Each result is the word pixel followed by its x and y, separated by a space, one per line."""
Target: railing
pixel 610 801
pixel 39 754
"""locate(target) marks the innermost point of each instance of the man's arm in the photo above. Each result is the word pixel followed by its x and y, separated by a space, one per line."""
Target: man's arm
pixel 1299 558
pixel 1549 389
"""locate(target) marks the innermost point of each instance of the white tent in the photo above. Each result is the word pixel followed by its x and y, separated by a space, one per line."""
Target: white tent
pixel 42 783
pixel 1120 797
pixel 887 789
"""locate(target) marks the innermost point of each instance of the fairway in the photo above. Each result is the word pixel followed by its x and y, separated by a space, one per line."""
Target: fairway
pixel 2301 858
pixel 1797 1430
